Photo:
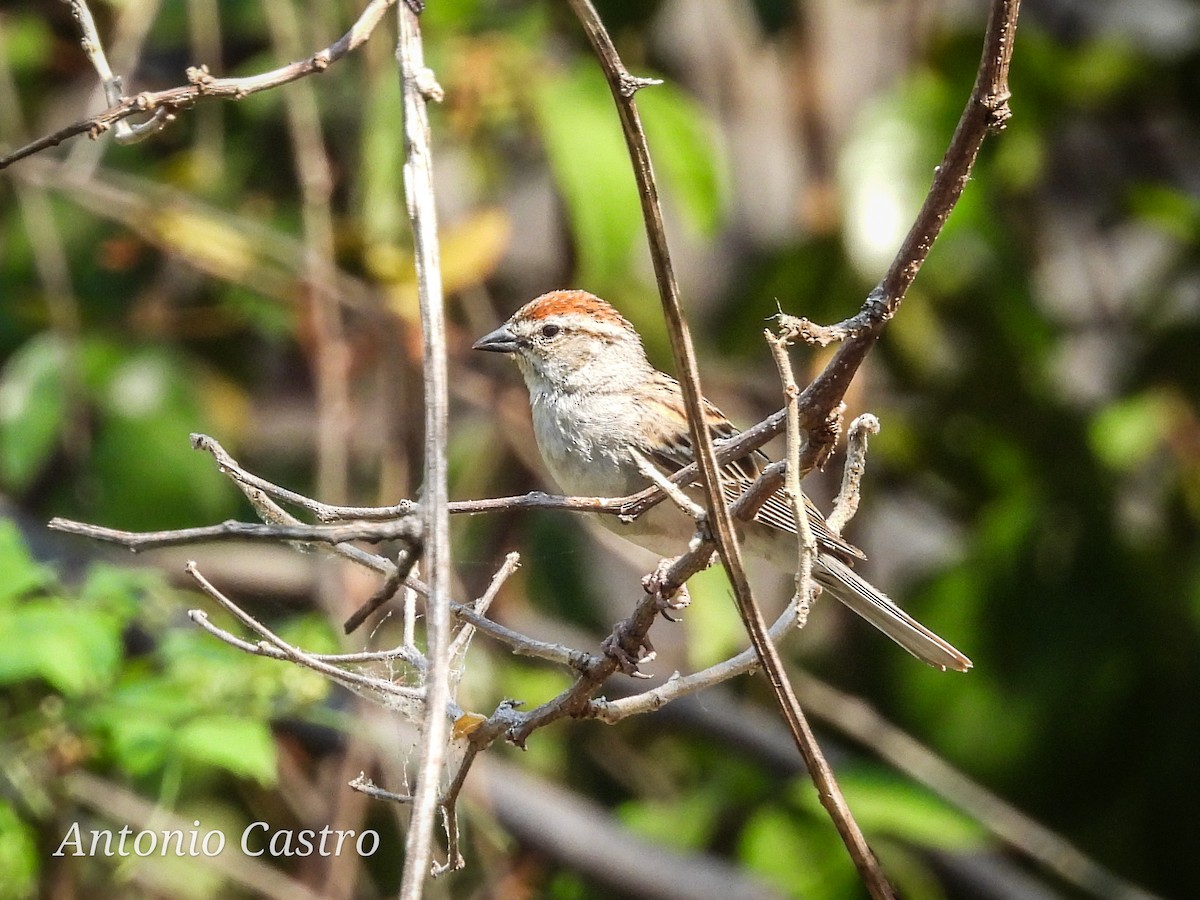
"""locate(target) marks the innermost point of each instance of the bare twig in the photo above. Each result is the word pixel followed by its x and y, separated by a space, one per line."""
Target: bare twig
pixel 202 86
pixel 387 590
pixel 325 512
pixel 281 649
pixel 406 530
pixel 670 488
pixel 846 504
pixel 613 711
pixel 418 86
pixel 93 49
pixel 806 545
pixel 365 785
pixel 458 646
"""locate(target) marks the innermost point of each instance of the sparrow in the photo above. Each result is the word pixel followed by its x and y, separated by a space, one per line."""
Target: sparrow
pixel 595 399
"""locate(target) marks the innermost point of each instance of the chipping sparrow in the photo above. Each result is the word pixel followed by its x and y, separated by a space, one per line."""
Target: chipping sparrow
pixel 595 397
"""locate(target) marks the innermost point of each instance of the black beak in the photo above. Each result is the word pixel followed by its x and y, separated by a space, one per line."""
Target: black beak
pixel 502 340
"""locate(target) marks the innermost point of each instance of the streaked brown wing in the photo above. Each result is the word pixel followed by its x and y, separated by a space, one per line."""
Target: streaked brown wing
pixel 674 451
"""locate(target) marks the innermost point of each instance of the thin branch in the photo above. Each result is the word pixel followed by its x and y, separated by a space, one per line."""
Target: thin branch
pixel 623 88
pixel 806 545
pixel 458 646
pixel 405 530
pixel 203 86
pixel 365 785
pixel 325 512
pixel 277 647
pixel 848 496
pixel 449 805
pixel 386 591
pixel 93 49
pixel 986 112
pixel 418 87
pixel 612 711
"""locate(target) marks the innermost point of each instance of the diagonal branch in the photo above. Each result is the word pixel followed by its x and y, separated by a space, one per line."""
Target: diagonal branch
pixel 623 87
pixel 986 112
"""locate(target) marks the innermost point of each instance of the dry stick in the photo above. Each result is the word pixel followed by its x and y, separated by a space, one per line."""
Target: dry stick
pixel 846 504
pixel 623 87
pixel 295 654
pixel 93 49
pixel 806 545
pixel 323 511
pixel 405 530
pixel 203 86
pixel 418 86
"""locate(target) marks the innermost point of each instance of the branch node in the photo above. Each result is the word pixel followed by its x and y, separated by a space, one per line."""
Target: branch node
pixel 427 85
pixel 999 112
pixel 200 77
pixel 631 84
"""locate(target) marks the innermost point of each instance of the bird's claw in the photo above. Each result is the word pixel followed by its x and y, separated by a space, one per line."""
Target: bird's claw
pixel 668 597
pixel 629 661
pixel 669 604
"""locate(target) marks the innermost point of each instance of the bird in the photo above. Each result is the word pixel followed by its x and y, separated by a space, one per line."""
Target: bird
pixel 597 402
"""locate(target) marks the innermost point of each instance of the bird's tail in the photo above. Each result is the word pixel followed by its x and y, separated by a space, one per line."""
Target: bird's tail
pixel 842 581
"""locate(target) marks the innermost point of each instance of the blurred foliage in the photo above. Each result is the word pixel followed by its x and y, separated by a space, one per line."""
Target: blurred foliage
pixel 97 677
pixel 1038 393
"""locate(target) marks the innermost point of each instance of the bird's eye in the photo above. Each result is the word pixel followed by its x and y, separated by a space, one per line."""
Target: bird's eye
pixel 550 330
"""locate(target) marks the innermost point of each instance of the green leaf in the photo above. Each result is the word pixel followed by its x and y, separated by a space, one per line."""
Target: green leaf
pixel 1126 433
pixel 683 146
pixel 139 742
pixel 22 573
pixel 595 177
pixel 883 803
pixel 32 408
pixel 587 155
pixel 239 745
pixel 18 855
pixel 74 650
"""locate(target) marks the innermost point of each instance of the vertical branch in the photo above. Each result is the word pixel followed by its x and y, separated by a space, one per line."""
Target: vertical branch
pixel 624 86
pixel 418 86
pixel 123 132
pixel 807 543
